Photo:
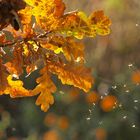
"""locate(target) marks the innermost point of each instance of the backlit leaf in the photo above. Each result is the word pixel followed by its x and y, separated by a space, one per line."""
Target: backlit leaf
pixel 16 88
pixel 45 87
pixel 78 24
pixel 46 12
pixel 101 22
pixel 69 74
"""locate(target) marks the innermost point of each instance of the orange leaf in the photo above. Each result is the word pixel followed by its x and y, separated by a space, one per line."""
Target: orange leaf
pixel 45 87
pixel 74 51
pixel 100 22
pixel 60 7
pixel 16 66
pixel 46 12
pixel 16 88
pixel 69 74
pixel 9 86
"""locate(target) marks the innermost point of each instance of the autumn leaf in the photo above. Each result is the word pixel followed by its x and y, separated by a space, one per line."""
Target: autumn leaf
pixel 59 8
pixel 16 89
pixel 79 25
pixel 45 87
pixel 32 55
pixel 100 23
pixel 46 12
pixel 73 51
pixel 9 86
pixel 71 25
pixel 16 66
pixel 69 74
pixel 54 43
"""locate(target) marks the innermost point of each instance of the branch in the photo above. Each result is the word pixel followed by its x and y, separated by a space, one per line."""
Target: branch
pixel 45 35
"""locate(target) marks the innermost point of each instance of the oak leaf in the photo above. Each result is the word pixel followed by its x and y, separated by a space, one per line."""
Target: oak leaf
pixel 15 67
pixel 70 74
pixel 100 22
pixel 16 89
pixel 79 25
pixel 45 87
pixel 73 51
pixel 46 12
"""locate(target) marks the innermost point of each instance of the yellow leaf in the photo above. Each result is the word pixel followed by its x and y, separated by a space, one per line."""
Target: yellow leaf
pixel 16 89
pixel 70 74
pixel 8 86
pixel 72 50
pixel 83 16
pixel 45 87
pixel 100 23
pixel 25 49
pixel 34 45
pixel 78 24
pixel 46 12
pixel 52 47
pixel 59 50
pixel 54 43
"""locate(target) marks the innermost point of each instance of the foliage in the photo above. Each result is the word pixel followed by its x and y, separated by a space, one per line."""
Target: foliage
pixel 44 37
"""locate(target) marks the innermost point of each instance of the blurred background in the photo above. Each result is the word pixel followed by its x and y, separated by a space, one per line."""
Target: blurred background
pixel 111 111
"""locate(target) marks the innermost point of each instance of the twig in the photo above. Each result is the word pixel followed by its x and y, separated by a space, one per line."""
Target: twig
pixel 25 39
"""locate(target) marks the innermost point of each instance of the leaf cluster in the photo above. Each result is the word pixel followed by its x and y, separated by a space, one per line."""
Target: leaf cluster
pixel 45 39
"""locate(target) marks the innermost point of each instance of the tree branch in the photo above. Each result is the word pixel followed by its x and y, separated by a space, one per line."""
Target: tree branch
pixel 26 39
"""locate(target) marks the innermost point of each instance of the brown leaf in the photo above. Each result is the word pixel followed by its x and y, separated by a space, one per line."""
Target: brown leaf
pixel 16 66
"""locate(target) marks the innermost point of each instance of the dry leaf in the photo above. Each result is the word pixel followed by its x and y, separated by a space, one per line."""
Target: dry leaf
pixel 45 87
pixel 69 74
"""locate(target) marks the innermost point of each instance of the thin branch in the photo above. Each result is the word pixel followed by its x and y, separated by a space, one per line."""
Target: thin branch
pixel 26 39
